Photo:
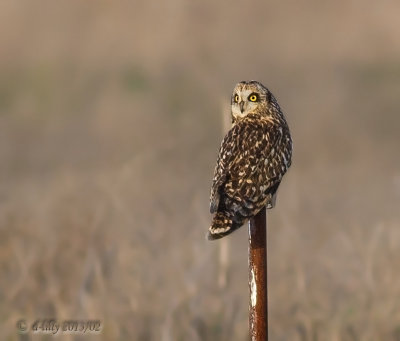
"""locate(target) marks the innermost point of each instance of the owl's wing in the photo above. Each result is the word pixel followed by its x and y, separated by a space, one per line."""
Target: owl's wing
pixel 255 151
pixel 249 164
pixel 222 167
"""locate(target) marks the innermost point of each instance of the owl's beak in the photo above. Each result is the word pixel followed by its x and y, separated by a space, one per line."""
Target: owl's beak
pixel 241 106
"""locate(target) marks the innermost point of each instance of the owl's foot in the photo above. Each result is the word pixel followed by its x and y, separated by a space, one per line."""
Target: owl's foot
pixel 271 203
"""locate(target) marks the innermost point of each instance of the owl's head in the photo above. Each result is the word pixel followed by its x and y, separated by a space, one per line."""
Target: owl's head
pixel 250 97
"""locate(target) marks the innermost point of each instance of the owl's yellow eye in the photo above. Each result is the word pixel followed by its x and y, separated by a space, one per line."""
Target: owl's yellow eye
pixel 253 98
pixel 236 98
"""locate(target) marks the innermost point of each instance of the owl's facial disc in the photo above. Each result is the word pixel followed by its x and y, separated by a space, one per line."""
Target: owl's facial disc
pixel 244 102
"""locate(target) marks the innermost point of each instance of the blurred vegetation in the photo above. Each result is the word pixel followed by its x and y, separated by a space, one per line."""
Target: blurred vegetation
pixel 110 122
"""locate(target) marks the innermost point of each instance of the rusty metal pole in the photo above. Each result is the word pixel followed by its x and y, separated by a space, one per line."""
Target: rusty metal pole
pixel 258 307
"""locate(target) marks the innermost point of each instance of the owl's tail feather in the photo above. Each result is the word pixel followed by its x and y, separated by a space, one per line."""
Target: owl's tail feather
pixel 222 225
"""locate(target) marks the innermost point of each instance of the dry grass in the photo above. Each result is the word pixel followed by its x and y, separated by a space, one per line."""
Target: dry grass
pixel 109 128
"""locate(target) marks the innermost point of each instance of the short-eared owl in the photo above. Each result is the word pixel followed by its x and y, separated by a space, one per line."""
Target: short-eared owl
pixel 253 157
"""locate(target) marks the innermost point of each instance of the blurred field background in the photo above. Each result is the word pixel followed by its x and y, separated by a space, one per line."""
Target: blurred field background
pixel 110 122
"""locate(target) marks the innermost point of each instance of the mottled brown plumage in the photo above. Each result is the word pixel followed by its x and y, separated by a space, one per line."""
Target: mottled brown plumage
pixel 253 157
